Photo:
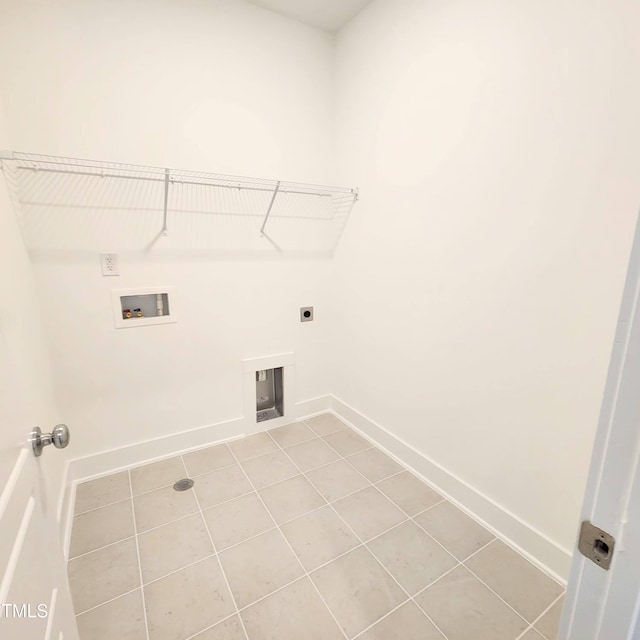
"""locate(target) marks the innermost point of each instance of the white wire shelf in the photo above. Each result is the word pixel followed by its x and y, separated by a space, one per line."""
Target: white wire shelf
pixel 106 202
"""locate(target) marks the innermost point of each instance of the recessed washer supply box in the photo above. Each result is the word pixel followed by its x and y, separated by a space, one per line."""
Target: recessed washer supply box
pixel 143 306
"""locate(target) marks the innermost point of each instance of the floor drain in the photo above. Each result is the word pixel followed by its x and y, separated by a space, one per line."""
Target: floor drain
pixel 183 485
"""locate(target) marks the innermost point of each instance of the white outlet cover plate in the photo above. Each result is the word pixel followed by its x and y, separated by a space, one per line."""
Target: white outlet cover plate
pixel 109 264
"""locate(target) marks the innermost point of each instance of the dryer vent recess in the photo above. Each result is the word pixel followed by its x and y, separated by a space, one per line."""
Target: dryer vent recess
pixel 269 394
pixel 306 314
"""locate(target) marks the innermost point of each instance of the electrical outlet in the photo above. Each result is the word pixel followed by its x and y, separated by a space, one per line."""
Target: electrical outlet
pixel 109 263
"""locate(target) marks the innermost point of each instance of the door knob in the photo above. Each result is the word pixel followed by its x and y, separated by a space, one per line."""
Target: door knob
pixel 59 438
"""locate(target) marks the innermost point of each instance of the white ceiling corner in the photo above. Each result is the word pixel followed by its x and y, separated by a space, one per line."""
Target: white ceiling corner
pixel 329 15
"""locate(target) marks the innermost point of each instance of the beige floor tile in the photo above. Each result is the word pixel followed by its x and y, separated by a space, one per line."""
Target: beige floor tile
pixel 346 442
pixel 325 424
pixel 405 623
pixel 220 486
pixel 357 589
pixel 100 527
pixel 188 601
pixel 374 465
pixel 291 498
pixel 237 520
pixel 291 434
pixel 337 480
pixel 156 475
pixel 229 629
pixel 259 566
pixel 318 537
pixel 209 459
pixel 173 546
pixel 369 513
pixel 293 613
pixel 253 446
pixel 532 634
pixel 312 454
pixel 550 622
pixel 161 506
pixel 464 609
pixel 516 580
pixel 269 469
pixel 103 575
pixel 455 530
pixel 412 557
pixel 102 491
pixel 409 493
pixel 122 619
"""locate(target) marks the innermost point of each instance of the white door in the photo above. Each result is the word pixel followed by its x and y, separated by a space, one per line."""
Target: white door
pixel 604 605
pixel 35 602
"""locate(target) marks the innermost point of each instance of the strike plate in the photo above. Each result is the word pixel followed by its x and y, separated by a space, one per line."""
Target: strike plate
pixel 596 544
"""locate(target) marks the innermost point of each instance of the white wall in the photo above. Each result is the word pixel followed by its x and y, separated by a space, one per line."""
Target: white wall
pixel 478 283
pixel 217 85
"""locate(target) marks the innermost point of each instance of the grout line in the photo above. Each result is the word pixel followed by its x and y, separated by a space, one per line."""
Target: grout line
pixel 524 633
pixel 185 566
pixel 135 531
pixel 213 546
pixel 164 524
pixel 408 595
pixel 496 594
pixel 415 515
pixel 314 436
pixel 386 615
pixel 326 434
pixel 295 555
pixel 237 544
pixel 104 546
pixel 539 618
pixel 232 615
pixel 195 635
pixel 97 606
pixel 102 506
pixel 271 593
pixel 393 475
pixel 448 571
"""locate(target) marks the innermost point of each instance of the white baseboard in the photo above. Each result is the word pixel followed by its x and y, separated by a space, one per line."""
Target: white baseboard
pixel 313 406
pixel 534 545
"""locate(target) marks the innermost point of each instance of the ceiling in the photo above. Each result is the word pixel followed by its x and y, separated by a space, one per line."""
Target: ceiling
pixel 329 15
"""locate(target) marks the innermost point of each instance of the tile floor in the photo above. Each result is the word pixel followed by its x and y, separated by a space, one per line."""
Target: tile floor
pixel 303 532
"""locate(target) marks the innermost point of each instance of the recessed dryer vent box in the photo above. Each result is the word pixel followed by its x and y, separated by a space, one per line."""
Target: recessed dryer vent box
pixel 142 307
pixel 269 391
pixel 269 394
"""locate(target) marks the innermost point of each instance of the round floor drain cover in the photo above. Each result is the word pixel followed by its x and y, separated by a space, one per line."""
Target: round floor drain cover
pixel 183 485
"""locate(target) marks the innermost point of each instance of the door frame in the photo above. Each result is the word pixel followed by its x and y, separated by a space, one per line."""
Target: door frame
pixel 602 604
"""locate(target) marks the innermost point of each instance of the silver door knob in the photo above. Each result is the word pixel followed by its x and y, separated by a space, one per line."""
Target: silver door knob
pixel 59 438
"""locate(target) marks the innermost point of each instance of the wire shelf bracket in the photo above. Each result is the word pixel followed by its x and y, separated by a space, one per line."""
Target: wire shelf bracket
pixel 266 217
